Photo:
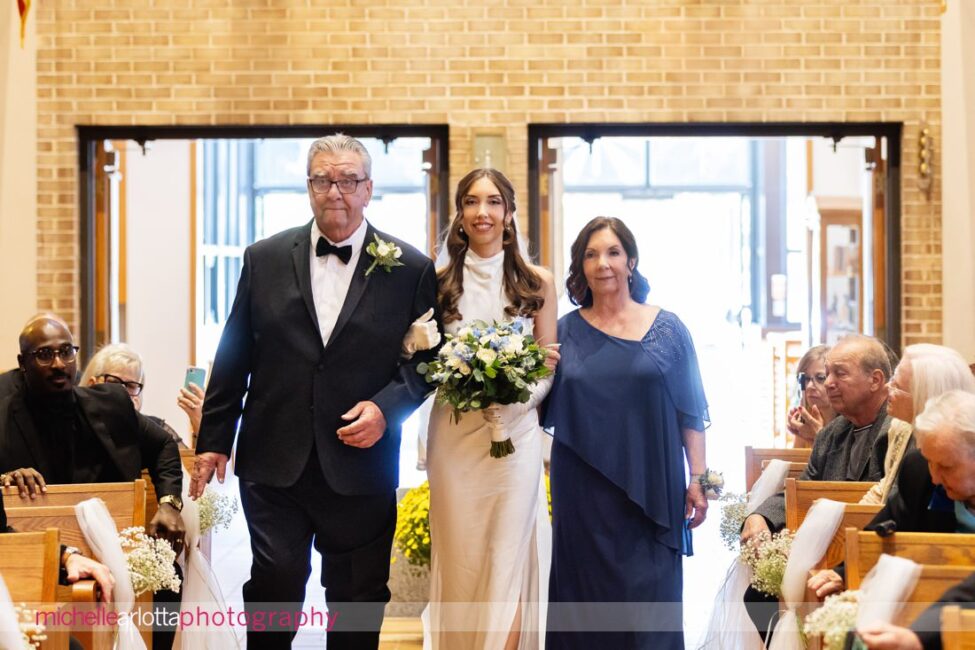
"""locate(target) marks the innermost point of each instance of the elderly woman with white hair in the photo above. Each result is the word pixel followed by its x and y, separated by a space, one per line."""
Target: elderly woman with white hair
pixel 118 363
pixel 924 372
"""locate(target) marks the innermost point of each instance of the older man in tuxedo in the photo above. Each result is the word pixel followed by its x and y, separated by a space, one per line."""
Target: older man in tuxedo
pixel 313 342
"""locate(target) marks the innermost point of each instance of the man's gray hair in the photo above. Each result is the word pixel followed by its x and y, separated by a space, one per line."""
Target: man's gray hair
pixel 873 354
pixel 340 142
pixel 110 359
pixel 936 369
pixel 952 412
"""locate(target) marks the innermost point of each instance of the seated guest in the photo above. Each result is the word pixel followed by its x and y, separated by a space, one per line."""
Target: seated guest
pixel 814 411
pixel 936 484
pixel 53 432
pixel 924 372
pixel 120 364
pixel 852 447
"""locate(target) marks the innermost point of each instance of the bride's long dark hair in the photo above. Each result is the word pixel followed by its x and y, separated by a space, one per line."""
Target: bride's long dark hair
pixel 522 285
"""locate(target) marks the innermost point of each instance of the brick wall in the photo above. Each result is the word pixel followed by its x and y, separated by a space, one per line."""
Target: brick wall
pixel 484 64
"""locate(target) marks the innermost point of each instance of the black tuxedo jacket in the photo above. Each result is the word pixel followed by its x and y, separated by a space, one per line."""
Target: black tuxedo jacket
pixel 131 440
pixel 296 388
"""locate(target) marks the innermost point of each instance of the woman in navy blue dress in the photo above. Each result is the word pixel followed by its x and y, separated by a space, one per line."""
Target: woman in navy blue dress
pixel 627 408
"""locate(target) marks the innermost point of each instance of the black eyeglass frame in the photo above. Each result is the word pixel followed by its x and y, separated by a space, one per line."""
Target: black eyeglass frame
pixel 66 353
pixel 321 179
pixel 115 379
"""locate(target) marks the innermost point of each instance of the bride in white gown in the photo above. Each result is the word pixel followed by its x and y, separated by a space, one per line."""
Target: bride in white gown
pixel 489 526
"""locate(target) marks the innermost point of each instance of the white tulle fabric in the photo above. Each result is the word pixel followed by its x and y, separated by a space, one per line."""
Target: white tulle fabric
pixel 491 537
pixel 101 534
pixel 201 591
pixel 730 627
pixel 886 588
pixel 9 625
pixel 810 543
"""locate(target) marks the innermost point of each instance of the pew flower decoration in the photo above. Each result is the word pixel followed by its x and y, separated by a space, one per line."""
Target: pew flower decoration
pixel 836 617
pixel 384 254
pixel 412 535
pixel 150 561
pixel 216 511
pixel 767 556
pixel 31 631
pixel 734 507
pixel 713 482
pixel 482 365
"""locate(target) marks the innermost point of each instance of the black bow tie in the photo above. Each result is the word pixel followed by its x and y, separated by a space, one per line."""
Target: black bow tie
pixel 323 248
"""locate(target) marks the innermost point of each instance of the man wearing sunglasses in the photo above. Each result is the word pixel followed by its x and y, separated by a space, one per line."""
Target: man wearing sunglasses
pixel 53 432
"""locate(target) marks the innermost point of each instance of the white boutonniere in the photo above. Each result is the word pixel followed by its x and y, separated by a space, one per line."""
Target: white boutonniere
pixel 384 255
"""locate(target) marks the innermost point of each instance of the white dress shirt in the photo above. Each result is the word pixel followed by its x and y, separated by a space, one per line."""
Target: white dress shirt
pixel 330 278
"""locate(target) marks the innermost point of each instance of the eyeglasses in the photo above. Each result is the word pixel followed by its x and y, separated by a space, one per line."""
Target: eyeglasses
pixel 322 185
pixel 45 356
pixel 133 388
pixel 804 379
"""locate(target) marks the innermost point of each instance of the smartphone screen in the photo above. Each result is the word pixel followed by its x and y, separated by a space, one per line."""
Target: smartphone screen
pixel 196 376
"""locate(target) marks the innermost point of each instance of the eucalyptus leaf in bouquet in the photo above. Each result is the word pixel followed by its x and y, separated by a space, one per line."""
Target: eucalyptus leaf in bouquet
pixel 484 364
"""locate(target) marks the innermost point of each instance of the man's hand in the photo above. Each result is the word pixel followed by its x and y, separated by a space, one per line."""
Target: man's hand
pixel 191 401
pixel 168 525
pixel 367 427
pixel 696 506
pixel 754 524
pixel 824 583
pixel 203 468
pixel 884 636
pixel 78 567
pixel 28 480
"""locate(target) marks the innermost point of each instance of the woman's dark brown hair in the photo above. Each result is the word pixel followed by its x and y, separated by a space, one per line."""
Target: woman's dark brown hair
pixel 522 285
pixel 576 285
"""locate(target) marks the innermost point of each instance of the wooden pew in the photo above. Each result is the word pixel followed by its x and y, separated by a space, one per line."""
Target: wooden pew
pixel 30 565
pixel 957 628
pixel 800 495
pixel 756 459
pixel 125 501
pixel 863 549
pixel 934 581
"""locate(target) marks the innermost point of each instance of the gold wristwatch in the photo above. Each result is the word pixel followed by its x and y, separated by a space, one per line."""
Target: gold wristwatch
pixel 172 500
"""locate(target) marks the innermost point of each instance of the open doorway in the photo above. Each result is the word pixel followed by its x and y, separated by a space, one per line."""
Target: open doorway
pixel 763 240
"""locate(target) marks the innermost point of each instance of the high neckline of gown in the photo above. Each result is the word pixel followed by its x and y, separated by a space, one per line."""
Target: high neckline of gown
pixel 485 267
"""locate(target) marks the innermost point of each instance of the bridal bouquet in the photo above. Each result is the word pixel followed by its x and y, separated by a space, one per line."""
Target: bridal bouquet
pixel 150 561
pixel 216 511
pixel 834 619
pixel 767 556
pixel 485 364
